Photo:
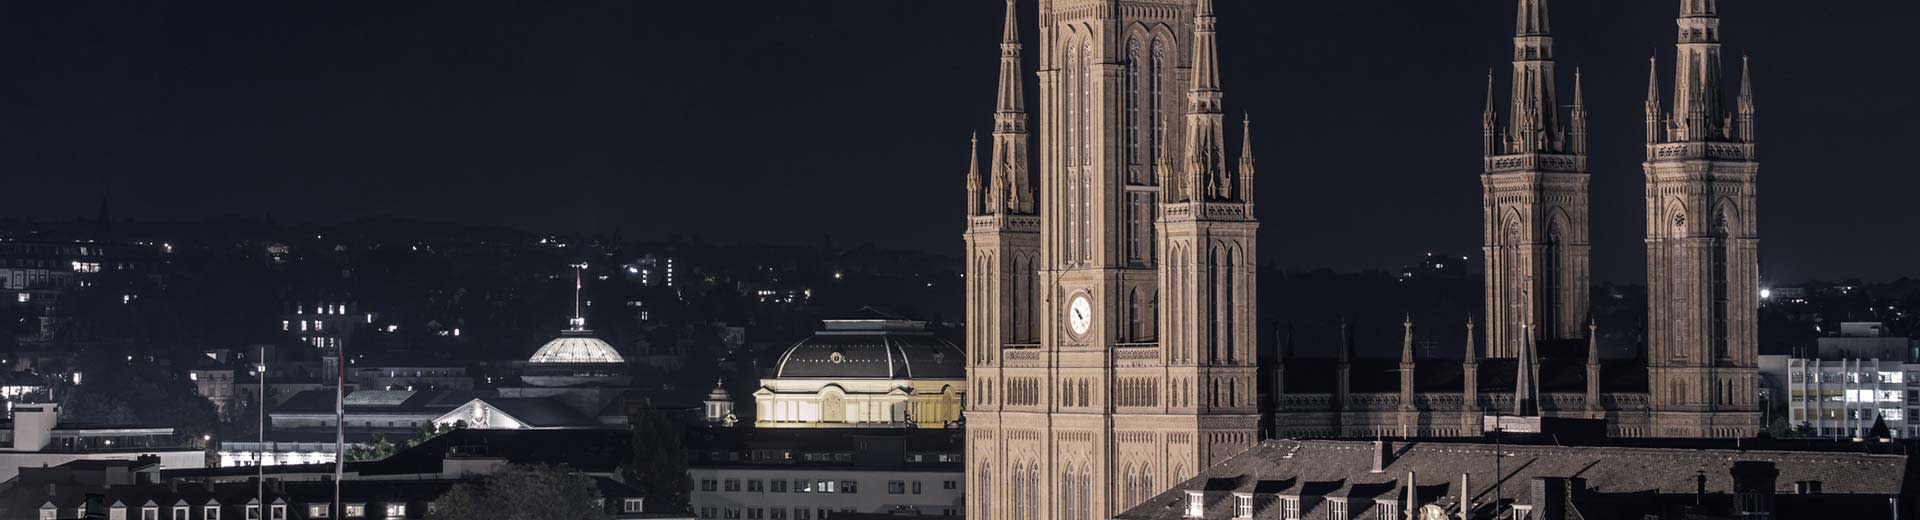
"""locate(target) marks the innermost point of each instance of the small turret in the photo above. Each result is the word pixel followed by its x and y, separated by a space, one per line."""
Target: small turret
pixel 1746 101
pixel 974 206
pixel 1489 122
pixel 1655 131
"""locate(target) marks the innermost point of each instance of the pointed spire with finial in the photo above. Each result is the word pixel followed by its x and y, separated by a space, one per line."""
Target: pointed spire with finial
pixel 1206 150
pixel 974 206
pixel 1535 112
pixel 1578 144
pixel 1746 101
pixel 1246 158
pixel 1523 383
pixel 1593 342
pixel 1010 166
pixel 579 321
pixel 1406 341
pixel 1473 352
pixel 1655 132
pixel 1489 121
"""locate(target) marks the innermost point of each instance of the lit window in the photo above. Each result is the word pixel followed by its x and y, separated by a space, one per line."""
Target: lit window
pixel 396 510
pixel 1196 504
pixel 354 510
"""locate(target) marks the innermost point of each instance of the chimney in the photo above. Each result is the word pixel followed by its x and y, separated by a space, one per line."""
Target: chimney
pixel 1700 488
pixel 1549 498
pixel 1382 455
pixel 1466 497
pixel 1753 488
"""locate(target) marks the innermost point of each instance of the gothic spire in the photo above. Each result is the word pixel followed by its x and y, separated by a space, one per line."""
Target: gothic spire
pixel 1532 19
pixel 1246 159
pixel 1523 383
pixel 1010 170
pixel 1473 354
pixel 1488 120
pixel 1406 341
pixel 1578 146
pixel 1655 130
pixel 1593 342
pixel 1746 101
pixel 1206 163
pixel 1535 113
pixel 1696 84
pixel 973 177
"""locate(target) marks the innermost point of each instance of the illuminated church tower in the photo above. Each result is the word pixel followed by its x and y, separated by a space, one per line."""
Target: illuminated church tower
pixel 1123 360
pixel 1702 243
pixel 1535 189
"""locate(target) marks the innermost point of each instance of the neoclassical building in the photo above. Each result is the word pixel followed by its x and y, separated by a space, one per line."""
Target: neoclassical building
pixel 1110 305
pixel 871 371
pixel 1110 310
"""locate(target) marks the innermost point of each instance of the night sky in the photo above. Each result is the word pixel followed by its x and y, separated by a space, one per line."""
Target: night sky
pixel 783 121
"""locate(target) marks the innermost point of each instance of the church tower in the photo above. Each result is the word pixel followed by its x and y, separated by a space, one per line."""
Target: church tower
pixel 1003 287
pixel 1136 367
pixel 1702 243
pixel 1535 199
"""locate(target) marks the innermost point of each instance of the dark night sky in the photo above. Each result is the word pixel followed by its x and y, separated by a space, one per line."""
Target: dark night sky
pixel 783 121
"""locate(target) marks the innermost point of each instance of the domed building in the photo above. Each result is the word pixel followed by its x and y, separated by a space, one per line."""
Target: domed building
pixel 874 370
pixel 576 358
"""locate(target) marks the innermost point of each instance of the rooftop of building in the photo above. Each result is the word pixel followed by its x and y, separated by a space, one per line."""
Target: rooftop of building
pixel 872 344
pixel 1625 480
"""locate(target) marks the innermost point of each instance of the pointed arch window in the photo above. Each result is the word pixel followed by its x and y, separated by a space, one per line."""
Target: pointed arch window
pixel 1551 269
pixel 1157 72
pixel 1033 492
pixel 986 491
pixel 1132 485
pixel 1086 493
pixel 1019 492
pixel 1722 302
pixel 1072 127
pixel 1136 140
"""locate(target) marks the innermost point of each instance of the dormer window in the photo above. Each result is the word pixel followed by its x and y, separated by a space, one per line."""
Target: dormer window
pixel 318 510
pixel 180 511
pixel 1196 504
pixel 396 510
pixel 1386 509
pixel 278 512
pixel 1291 509
pixel 635 505
pixel 354 511
pixel 1242 505
pixel 211 512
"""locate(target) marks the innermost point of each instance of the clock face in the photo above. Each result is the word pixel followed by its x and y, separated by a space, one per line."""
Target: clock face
pixel 1079 315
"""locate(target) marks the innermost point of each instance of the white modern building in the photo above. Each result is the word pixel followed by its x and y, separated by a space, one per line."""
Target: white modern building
pixel 813 474
pixel 37 439
pixel 1848 383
